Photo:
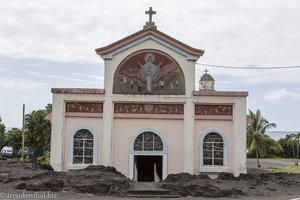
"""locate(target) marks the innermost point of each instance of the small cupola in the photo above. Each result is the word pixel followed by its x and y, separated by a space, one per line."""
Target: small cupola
pixel 207 82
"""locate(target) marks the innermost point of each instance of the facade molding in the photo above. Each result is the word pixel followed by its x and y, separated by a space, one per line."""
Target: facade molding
pixel 221 93
pixel 77 90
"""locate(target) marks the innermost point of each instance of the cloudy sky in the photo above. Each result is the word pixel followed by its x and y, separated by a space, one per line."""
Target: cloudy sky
pixel 46 44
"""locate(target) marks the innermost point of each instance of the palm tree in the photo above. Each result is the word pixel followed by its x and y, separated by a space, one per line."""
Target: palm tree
pixel 294 141
pixel 297 138
pixel 257 140
pixel 38 131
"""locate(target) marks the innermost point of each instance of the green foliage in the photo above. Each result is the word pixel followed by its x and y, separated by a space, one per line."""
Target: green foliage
pixel 257 140
pixel 2 134
pixel 14 139
pixel 286 146
pixel 2 126
pixel 37 133
pixel 294 142
pixel 38 130
pixel 2 140
pixel 25 159
pixel 45 159
pixel 49 108
pixel 288 169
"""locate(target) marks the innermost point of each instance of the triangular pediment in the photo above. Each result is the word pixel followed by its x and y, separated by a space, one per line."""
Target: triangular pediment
pixel 189 52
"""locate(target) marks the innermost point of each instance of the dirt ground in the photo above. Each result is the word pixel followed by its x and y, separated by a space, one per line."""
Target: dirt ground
pixel 29 181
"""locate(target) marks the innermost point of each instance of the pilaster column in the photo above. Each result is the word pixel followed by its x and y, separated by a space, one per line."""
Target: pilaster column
pixel 107 132
pixel 57 153
pixel 239 137
pixel 188 137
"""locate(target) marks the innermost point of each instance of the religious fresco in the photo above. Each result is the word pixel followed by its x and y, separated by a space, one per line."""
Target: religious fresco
pixel 137 108
pixel 213 109
pixel 149 72
pixel 85 107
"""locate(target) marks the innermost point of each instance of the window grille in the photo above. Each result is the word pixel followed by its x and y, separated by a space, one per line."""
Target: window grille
pixel 213 148
pixel 83 147
pixel 148 141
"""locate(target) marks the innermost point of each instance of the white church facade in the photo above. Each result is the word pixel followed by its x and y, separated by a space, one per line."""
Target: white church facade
pixel 149 120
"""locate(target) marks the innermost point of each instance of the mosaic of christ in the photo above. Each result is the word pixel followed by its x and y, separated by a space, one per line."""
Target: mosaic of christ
pixel 149 72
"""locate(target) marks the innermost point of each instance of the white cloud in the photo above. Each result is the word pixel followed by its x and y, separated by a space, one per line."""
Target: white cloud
pixel 281 76
pixel 281 94
pixel 231 32
pixel 87 78
pixel 26 97
pixel 33 73
pixel 253 102
pixel 3 69
pixel 20 84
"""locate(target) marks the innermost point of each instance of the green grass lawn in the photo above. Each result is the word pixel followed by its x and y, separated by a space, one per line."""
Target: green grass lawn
pixel 276 158
pixel 288 168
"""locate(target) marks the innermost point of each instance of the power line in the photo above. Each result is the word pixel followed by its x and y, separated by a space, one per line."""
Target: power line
pixel 248 68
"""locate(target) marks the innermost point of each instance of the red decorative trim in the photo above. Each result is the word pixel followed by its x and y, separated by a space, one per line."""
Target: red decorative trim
pixel 132 108
pixel 78 90
pixel 213 110
pixel 147 116
pixel 84 107
pixel 214 117
pixel 149 31
pixel 78 114
pixel 220 93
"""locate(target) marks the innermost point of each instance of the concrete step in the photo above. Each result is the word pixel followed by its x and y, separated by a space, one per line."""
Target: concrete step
pixel 148 190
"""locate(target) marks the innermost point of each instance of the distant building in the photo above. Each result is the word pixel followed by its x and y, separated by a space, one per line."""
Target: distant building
pixel 149 121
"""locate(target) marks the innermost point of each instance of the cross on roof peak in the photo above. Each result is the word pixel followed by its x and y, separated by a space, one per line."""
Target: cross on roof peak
pixel 150 23
pixel 206 70
pixel 150 12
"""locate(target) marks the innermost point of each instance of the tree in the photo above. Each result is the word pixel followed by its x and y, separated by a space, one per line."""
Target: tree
pixel 14 138
pixel 2 134
pixel 2 126
pixel 38 130
pixel 257 140
pixel 297 138
pixel 48 108
pixel 294 142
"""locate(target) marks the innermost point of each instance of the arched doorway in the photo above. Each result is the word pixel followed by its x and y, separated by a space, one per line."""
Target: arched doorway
pixel 148 158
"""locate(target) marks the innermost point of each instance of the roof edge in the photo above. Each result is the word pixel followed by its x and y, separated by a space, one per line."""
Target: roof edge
pixel 221 93
pixel 149 31
pixel 77 91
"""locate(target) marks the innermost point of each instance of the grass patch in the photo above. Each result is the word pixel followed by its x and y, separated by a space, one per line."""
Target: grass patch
pixel 288 168
pixel 275 158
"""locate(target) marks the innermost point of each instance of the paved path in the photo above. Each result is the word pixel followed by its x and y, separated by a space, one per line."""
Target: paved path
pixel 266 163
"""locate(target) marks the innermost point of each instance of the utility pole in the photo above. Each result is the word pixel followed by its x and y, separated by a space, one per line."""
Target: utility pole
pixel 23 136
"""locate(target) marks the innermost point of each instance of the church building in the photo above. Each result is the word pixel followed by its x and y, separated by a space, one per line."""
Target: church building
pixel 149 120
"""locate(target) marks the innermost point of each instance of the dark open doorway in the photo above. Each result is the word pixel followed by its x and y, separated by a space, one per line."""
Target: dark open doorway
pixel 145 167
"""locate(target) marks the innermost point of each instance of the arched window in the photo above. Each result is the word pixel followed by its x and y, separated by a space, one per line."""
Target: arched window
pixel 83 147
pixel 148 141
pixel 213 150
